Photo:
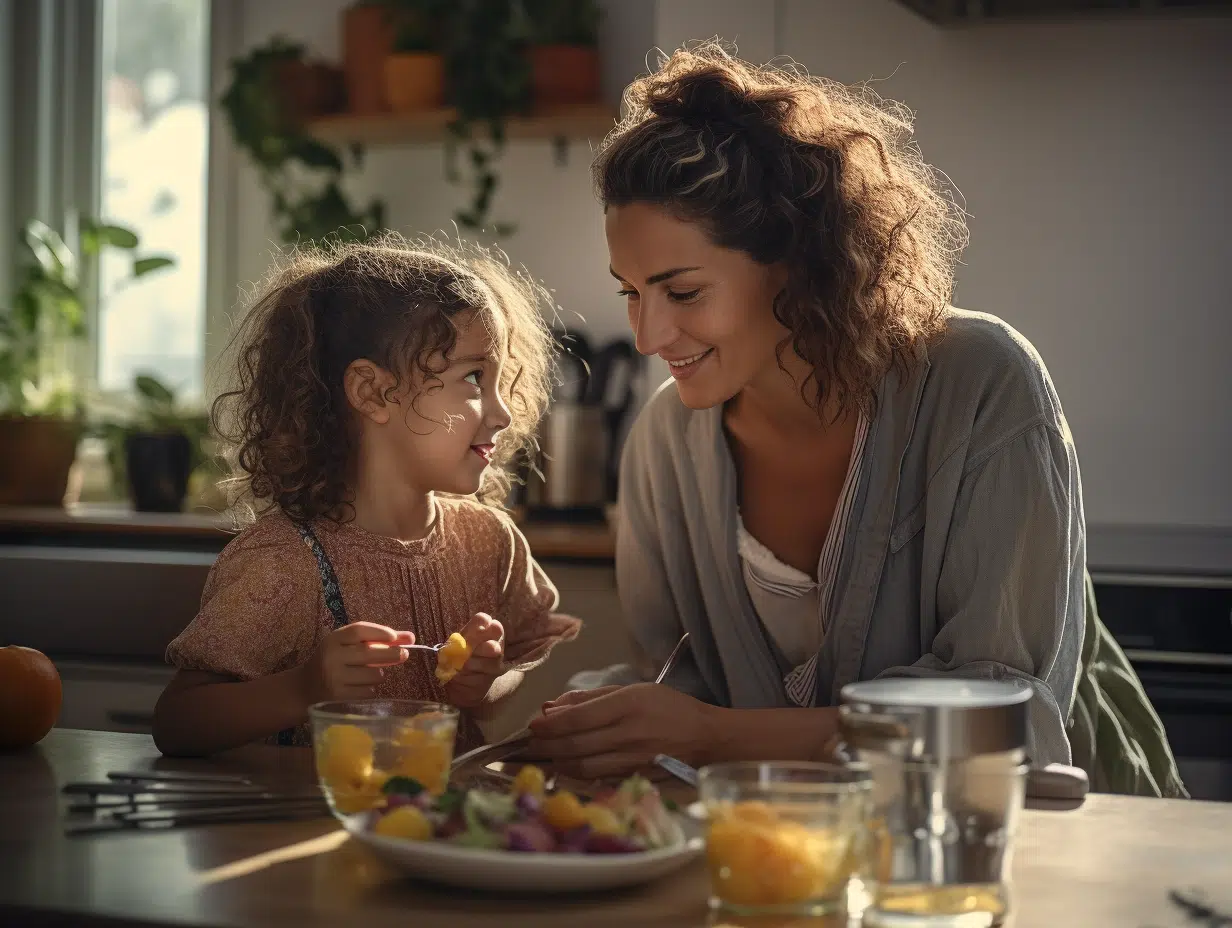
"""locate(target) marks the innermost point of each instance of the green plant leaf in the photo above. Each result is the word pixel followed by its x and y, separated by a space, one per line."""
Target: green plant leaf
pixel 50 251
pixel 316 155
pixel 96 235
pixel 153 389
pixel 143 266
pixel 405 786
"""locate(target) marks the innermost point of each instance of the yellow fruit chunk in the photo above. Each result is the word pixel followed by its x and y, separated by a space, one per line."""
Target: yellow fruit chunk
pixel 757 858
pixel 427 762
pixel 563 811
pixel 602 820
pixel 530 779
pixel 344 757
pixel 404 822
pixel 451 658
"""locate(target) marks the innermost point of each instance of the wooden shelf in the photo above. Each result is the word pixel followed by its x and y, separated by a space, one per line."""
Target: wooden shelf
pixel 572 121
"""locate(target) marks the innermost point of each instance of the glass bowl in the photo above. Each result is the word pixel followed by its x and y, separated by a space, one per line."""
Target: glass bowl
pixel 359 746
pixel 784 837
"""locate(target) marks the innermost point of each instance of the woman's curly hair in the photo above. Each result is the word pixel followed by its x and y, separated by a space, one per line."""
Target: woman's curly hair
pixel 808 172
pixel 396 303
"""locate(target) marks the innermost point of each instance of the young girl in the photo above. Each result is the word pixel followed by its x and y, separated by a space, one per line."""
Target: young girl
pixel 381 390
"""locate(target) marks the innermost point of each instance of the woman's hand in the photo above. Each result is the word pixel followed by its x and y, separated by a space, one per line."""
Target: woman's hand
pixel 350 661
pixel 486 636
pixel 616 731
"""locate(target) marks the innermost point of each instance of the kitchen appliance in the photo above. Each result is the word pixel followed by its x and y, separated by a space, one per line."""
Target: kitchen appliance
pixel 949 768
pixel 1176 630
pixel 580 436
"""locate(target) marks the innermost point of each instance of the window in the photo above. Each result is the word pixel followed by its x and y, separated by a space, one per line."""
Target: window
pixel 153 84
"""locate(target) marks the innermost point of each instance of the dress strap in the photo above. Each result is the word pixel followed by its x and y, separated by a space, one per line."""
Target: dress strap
pixel 329 579
pixel 331 590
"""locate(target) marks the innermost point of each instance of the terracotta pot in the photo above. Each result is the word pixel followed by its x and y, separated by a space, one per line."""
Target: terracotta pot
pixel 307 90
pixel 367 39
pixel 414 81
pixel 565 73
pixel 36 453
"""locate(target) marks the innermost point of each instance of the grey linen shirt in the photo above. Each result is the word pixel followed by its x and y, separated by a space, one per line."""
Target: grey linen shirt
pixel 965 554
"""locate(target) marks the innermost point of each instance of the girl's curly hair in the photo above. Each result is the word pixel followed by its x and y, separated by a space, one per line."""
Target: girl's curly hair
pixel 808 172
pixel 396 303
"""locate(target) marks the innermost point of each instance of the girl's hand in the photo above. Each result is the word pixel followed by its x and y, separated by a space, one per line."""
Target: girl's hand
pixel 617 731
pixel 350 661
pixel 469 688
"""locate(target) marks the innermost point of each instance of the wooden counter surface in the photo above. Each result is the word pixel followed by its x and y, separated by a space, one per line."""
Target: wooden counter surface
pixel 102 523
pixel 1108 864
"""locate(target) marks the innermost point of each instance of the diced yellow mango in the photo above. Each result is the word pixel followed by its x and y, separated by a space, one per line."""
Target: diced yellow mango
pixel 452 657
pixel 758 858
pixel 602 820
pixel 404 822
pixel 563 811
pixel 530 779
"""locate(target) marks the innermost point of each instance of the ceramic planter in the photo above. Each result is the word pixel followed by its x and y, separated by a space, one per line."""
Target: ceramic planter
pixel 565 73
pixel 414 81
pixel 367 39
pixel 159 464
pixel 36 454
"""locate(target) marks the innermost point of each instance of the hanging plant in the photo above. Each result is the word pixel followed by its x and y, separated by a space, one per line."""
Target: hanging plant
pixel 272 91
pixel 489 81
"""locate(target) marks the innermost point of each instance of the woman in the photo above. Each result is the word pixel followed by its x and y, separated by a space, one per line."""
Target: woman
pixel 848 477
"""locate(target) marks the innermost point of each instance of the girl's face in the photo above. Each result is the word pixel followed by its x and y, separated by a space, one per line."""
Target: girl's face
pixel 439 431
pixel 705 310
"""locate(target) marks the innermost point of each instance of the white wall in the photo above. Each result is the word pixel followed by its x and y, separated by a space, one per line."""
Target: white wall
pixel 1092 158
pixel 559 229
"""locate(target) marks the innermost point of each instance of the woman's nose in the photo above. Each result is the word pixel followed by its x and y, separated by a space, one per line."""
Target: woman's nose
pixel 654 327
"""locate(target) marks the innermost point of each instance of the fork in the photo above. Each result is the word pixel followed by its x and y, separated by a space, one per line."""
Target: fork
pixel 508 747
pixel 410 647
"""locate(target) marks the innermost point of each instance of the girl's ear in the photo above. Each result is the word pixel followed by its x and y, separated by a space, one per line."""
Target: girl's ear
pixel 365 385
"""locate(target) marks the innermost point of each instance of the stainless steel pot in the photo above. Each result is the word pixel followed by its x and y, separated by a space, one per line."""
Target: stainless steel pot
pixel 948 761
pixel 574 442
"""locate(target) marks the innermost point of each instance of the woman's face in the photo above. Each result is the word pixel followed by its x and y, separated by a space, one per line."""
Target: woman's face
pixel 705 310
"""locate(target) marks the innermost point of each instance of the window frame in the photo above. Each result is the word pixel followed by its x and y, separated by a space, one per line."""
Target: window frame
pixel 51 53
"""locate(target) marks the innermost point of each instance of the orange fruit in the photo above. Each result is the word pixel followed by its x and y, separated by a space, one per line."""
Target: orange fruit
pixel 30 696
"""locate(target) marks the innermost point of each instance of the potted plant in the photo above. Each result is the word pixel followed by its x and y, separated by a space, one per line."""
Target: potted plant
pixel 302 175
pixel 154 453
pixel 367 39
pixel 564 54
pixel 40 418
pixel 488 81
pixel 415 69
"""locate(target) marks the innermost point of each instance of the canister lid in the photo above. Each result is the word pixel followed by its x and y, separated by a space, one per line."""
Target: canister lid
pixel 938 692
pixel 935 719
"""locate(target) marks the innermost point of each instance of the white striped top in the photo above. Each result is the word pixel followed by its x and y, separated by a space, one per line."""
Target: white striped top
pixel 793 607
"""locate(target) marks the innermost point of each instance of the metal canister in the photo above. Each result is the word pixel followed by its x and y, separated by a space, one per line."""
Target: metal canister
pixel 574 441
pixel 948 761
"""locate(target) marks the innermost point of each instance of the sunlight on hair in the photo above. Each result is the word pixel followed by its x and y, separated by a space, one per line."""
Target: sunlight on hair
pixel 395 302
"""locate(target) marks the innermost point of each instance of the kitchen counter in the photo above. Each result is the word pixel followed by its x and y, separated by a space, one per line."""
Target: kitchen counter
pixel 118 525
pixel 1108 864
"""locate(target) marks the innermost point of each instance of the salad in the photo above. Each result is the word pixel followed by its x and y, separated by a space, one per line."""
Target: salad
pixel 624 820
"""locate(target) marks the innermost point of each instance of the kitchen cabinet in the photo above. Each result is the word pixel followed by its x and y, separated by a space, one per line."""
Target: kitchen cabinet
pixel 110 696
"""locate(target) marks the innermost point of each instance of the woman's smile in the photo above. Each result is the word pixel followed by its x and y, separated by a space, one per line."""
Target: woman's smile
pixel 684 368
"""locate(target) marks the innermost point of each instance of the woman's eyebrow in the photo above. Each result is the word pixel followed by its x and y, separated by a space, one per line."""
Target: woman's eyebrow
pixel 661 276
pixel 470 358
